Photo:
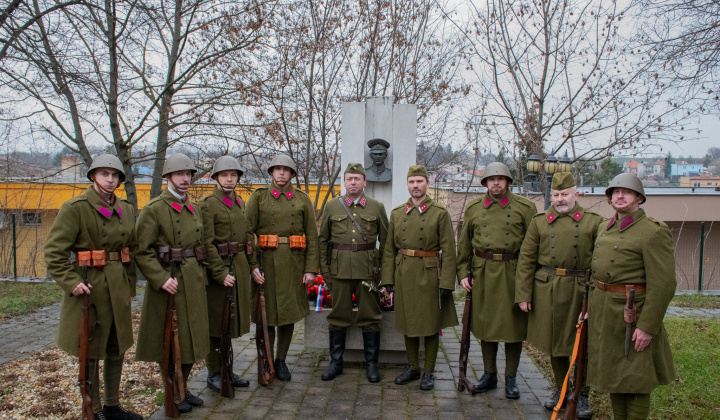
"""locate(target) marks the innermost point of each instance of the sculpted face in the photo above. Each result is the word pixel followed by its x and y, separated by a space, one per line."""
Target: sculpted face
pixel 378 157
pixel 281 175
pixel 107 178
pixel 625 201
pixel 227 180
pixel 417 186
pixel 354 184
pixel 564 200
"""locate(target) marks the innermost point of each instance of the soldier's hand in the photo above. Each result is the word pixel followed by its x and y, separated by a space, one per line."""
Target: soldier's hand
pixel 466 284
pixel 445 293
pixel 641 339
pixel 525 306
pixel 308 278
pixel 229 281
pixel 170 285
pixel 81 289
pixel 258 276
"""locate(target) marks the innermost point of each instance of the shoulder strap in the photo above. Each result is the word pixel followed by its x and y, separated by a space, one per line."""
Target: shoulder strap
pixel 347 210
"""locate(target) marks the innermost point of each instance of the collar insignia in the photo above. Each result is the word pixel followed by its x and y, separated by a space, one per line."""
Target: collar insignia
pixel 627 222
pixel 577 216
pixel 105 211
pixel 228 202
pixel 550 217
pixel 487 202
pixel 504 202
pixel 408 208
pixel 176 206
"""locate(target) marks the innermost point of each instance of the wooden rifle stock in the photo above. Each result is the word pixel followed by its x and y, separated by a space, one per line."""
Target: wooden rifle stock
pixel 266 370
pixel 226 350
pixel 463 382
pixel 170 366
pixel 84 380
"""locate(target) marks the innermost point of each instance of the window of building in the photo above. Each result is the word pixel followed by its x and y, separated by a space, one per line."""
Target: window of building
pixel 31 219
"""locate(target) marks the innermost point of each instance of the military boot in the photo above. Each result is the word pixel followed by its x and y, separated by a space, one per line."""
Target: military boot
pixel 552 401
pixel 337 348
pixel 511 390
pixel 487 382
pixel 281 370
pixel 213 381
pixel 582 410
pixel 371 342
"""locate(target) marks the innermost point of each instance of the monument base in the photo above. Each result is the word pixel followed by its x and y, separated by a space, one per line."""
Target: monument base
pixel 392 342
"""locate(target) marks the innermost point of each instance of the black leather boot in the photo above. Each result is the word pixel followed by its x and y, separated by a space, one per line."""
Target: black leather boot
pixel 337 348
pixel 582 410
pixel 511 390
pixel 239 382
pixel 428 381
pixel 409 375
pixel 281 370
pixel 487 382
pixel 213 381
pixel 371 342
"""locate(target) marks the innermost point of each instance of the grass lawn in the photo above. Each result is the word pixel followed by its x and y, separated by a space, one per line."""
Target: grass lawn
pixel 18 298
pixel 696 301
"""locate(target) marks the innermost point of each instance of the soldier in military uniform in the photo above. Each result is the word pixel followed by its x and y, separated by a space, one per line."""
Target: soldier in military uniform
pixel 97 221
pixel 632 251
pixel 418 261
pixel 283 219
pixel 226 234
pixel 351 226
pixel 170 222
pixel 494 227
pixel 550 278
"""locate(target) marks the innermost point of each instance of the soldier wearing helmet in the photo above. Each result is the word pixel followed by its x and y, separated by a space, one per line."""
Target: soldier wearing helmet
pixel 283 219
pixel 98 220
pixel 172 224
pixel 633 253
pixel 226 239
pixel 493 229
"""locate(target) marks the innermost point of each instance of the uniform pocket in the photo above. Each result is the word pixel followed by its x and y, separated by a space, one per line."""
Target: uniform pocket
pixel 368 223
pixel 541 276
pixel 430 262
pixel 338 224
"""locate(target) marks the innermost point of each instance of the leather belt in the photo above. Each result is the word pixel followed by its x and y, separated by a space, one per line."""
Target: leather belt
pixel 618 288
pixel 354 246
pixel 563 272
pixel 497 257
pixel 414 253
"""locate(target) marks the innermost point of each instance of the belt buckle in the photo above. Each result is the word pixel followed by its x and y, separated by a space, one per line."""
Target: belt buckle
pixel 353 246
pixel 410 252
pixel 562 272
pixel 497 257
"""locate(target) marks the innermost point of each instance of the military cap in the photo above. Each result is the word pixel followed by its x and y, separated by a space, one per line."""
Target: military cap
pixel 562 181
pixel 626 180
pixel 107 161
pixel 496 169
pixel 354 168
pixel 226 163
pixel 417 170
pixel 178 162
pixel 378 144
pixel 283 160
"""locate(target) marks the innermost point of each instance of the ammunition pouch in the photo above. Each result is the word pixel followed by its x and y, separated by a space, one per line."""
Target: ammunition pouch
pixel 98 258
pixel 272 241
pixel 165 254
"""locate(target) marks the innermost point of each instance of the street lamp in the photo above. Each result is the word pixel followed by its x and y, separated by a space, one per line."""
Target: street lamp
pixel 550 166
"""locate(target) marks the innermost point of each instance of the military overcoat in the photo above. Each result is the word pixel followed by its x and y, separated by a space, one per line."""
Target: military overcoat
pixel 498 227
pixel 224 221
pixel 284 212
pixel 418 280
pixel 635 250
pixel 168 221
pixel 87 223
pixel 344 266
pixel 562 241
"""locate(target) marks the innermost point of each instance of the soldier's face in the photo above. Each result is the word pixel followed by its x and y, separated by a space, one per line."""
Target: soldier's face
pixel 564 200
pixel 354 184
pixel 107 178
pixel 417 186
pixel 497 184
pixel 227 180
pixel 281 175
pixel 625 200
pixel 180 181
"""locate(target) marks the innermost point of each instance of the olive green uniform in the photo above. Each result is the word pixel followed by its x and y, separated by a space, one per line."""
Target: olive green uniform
pixel 635 250
pixel 168 221
pixel 87 223
pixel 224 221
pixel 417 280
pixel 348 268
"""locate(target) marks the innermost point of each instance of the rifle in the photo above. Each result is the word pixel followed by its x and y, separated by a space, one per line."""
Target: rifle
pixel 630 316
pixel 266 370
pixel 84 381
pixel 226 350
pixel 464 383
pixel 579 359
pixel 170 366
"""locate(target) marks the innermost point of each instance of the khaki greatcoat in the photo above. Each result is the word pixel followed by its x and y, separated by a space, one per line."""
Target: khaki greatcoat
pixel 347 268
pixel 167 221
pixel 497 227
pixel 87 223
pixel 284 212
pixel 224 221
pixel 417 280
pixel 635 250
pixel 557 241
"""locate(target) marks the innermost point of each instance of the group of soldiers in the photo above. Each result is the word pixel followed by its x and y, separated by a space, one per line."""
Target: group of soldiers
pixel 529 272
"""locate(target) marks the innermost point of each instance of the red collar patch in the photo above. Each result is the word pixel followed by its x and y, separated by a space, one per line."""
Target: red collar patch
pixel 487 202
pixel 228 202
pixel 504 202
pixel 119 211
pixel 176 206
pixel 408 208
pixel 610 223
pixel 577 216
pixel 276 194
pixel 349 202
pixel 238 201
pixel 362 201
pixel 192 210
pixel 105 211
pixel 550 217
pixel 423 208
pixel 626 222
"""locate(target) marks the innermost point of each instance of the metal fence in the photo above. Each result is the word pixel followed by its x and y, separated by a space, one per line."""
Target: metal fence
pixel 22 242
pixel 697 255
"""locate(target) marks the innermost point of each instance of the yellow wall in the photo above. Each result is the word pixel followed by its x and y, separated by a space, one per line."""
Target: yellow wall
pixel 705 182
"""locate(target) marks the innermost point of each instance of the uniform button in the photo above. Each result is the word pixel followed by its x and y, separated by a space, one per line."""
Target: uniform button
pixel 604 235
pixel 292 214
pixel 178 221
pixel 272 204
pixel 421 228
pixel 621 236
pixel 404 220
pixel 122 234
pixel 121 221
pixel 483 216
pixel 552 236
pixel 615 247
pixel 354 214
pixel 103 223
pixel 507 223
pixel 612 260
pixel 486 235
pixel 421 239
pixel 353 240
pixel 484 225
pixel 353 230
pixel 273 224
pixel 553 257
pixel 552 246
pixel 272 214
pixel 507 233
pixel 508 215
pixel 179 243
pixel 403 230
pixel 197 230
pixel 574 246
pixel 576 235
pixel 594 258
pixel 104 235
pixel 194 220
pixel 292 205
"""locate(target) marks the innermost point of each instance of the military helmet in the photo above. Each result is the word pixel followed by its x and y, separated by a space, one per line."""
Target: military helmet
pixel 626 180
pixel 226 163
pixel 107 161
pixel 496 169
pixel 178 162
pixel 282 160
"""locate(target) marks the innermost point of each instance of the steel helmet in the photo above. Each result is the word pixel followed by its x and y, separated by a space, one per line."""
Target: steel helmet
pixel 226 163
pixel 282 160
pixel 496 169
pixel 626 180
pixel 178 162
pixel 107 161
